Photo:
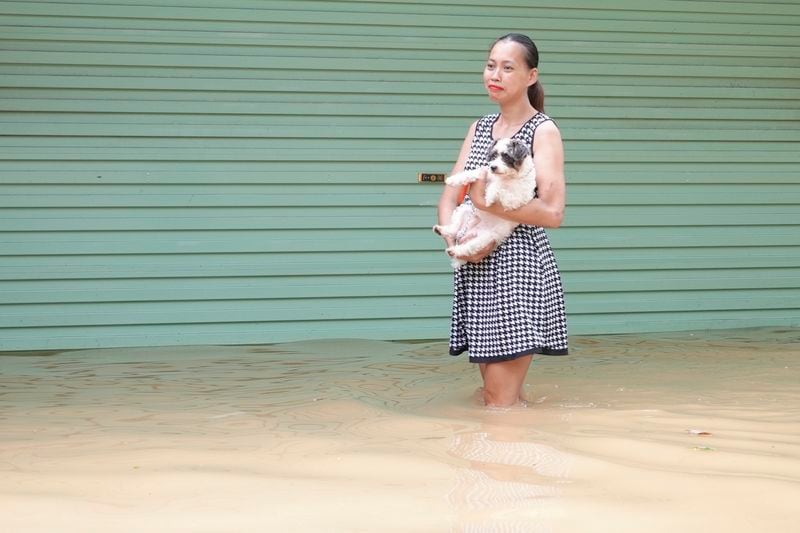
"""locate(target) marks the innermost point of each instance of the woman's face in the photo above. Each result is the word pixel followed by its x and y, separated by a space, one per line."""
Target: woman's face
pixel 507 75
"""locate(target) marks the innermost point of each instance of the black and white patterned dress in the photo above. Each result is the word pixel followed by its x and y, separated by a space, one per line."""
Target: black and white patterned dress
pixel 512 303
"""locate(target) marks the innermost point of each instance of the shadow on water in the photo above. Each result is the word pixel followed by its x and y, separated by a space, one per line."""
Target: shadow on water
pixel 652 432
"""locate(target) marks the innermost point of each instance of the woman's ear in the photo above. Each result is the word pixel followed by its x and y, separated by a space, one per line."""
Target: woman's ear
pixel 533 76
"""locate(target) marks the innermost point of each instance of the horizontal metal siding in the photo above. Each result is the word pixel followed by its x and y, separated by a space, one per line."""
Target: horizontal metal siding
pixel 244 172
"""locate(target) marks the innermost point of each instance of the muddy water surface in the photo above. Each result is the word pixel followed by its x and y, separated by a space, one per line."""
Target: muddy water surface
pixel 658 433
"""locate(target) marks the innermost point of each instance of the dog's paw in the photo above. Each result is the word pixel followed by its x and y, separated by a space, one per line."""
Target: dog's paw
pixel 451 251
pixel 463 178
pixel 468 176
pixel 443 231
pixel 454 261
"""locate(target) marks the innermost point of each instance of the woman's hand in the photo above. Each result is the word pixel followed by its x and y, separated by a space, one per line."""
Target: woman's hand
pixel 449 241
pixel 480 255
pixel 477 193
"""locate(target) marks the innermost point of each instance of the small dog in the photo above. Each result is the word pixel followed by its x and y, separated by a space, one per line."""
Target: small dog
pixel 510 179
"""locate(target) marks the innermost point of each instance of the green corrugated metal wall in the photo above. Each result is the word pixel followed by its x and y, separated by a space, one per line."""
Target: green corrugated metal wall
pixel 245 171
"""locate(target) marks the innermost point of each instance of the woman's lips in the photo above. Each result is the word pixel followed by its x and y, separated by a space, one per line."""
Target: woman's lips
pixel 495 88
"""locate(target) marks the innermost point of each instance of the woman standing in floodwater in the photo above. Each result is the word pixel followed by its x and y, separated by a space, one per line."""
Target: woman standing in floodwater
pixel 508 301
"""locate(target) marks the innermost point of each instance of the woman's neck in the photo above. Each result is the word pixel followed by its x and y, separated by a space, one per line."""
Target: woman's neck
pixel 516 115
pixel 512 118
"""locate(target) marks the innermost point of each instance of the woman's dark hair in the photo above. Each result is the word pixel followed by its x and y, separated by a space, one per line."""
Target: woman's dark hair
pixel 535 91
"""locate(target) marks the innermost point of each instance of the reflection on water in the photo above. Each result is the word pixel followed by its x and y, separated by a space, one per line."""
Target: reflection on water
pixel 683 431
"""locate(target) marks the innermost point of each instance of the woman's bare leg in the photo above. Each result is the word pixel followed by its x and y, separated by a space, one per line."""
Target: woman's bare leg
pixel 503 381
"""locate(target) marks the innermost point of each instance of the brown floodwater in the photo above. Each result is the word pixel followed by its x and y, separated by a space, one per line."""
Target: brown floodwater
pixel 695 431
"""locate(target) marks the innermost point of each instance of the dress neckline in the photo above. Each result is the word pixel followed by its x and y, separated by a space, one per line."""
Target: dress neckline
pixel 497 117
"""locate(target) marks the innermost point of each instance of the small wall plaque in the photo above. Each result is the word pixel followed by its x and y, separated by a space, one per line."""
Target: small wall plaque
pixel 431 177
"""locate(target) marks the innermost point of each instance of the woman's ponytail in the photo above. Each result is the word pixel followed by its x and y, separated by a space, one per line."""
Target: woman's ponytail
pixel 536 96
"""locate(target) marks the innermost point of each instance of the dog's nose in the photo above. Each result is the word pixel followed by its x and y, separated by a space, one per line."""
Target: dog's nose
pixel 493 168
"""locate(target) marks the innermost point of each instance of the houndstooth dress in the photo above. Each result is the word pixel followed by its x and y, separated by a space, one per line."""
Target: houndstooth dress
pixel 512 303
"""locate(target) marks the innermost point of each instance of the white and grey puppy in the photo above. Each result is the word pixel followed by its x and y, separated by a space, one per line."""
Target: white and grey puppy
pixel 510 180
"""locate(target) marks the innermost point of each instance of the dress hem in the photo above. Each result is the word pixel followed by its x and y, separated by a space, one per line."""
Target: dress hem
pixel 538 350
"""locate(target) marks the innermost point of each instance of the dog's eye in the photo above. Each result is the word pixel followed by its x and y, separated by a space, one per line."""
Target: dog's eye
pixel 492 155
pixel 508 160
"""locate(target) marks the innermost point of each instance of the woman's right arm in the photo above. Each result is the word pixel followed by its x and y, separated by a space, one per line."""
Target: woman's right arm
pixel 450 195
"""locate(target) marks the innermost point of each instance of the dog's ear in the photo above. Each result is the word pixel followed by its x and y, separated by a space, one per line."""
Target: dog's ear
pixel 519 151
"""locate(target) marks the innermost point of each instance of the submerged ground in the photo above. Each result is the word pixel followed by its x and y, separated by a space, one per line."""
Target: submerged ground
pixel 696 431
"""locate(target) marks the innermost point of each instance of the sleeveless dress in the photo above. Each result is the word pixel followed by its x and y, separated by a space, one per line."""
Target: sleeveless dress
pixel 511 303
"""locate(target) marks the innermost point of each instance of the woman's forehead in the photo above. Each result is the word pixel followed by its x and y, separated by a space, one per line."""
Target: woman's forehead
pixel 507 51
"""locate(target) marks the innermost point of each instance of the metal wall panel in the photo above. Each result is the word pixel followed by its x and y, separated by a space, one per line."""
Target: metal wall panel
pixel 189 171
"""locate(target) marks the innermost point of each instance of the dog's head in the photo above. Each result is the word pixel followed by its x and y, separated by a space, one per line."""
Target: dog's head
pixel 506 156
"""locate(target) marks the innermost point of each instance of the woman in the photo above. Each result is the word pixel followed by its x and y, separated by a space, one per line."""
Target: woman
pixel 508 301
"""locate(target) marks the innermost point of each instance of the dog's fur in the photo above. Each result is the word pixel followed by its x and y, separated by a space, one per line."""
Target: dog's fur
pixel 510 179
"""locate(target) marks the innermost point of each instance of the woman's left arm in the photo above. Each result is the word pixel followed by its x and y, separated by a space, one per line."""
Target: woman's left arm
pixel 547 209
